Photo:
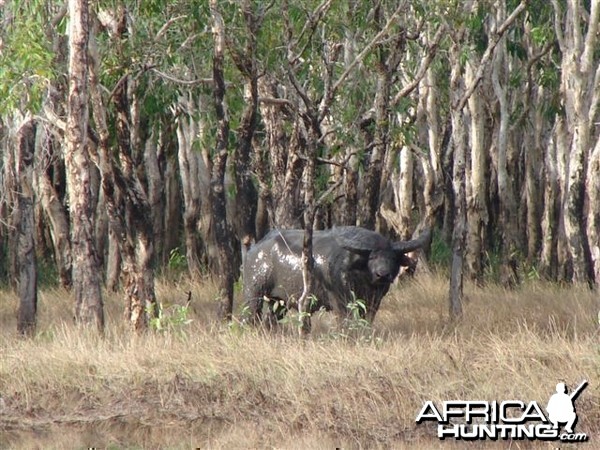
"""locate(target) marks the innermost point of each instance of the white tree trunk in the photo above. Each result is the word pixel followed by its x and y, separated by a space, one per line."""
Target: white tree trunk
pixel 432 164
pixel 403 193
pixel 593 216
pixel 476 186
pixel 506 193
pixel 552 202
pixel 577 35
pixel 535 143
pixel 189 132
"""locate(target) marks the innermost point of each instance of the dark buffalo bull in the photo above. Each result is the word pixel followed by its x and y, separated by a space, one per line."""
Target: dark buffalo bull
pixel 349 263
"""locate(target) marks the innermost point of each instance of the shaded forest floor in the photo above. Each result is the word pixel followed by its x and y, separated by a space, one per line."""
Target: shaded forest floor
pixel 204 385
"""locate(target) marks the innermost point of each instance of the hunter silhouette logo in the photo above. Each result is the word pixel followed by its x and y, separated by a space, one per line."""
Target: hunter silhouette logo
pixel 509 419
pixel 561 408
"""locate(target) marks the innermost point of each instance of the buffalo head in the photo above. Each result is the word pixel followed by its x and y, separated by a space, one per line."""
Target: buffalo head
pixel 380 258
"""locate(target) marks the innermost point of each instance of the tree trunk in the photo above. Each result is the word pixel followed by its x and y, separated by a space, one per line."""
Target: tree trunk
pixel 562 142
pixel 245 214
pixel 350 183
pixel 574 201
pixel 550 218
pixel 506 194
pixel 348 214
pixel 86 280
pixel 476 185
pixel 533 175
pixel 188 130
pixel 368 201
pixel 285 168
pixel 139 277
pixel 577 37
pixel 309 217
pixel 447 153
pixel 27 269
pixel 101 228
pixel 9 197
pixel 217 181
pixel 593 216
pixel 388 60
pixel 246 196
pixel 155 185
pixel 458 188
pixel 403 194
pixel 432 162
pixel 113 261
pixel 127 204
pixel 172 218
pixel 49 198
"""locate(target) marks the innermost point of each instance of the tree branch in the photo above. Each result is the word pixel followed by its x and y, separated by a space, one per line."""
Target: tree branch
pixel 489 52
pixel 557 29
pixel 325 103
pixel 425 63
pixel 591 38
pixel 166 26
pixel 180 81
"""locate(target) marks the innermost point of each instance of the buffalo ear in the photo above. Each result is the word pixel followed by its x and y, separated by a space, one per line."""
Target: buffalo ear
pixel 359 240
pixel 409 246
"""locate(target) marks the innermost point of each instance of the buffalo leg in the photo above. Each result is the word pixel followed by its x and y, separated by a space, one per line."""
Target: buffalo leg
pixel 255 306
pixel 372 308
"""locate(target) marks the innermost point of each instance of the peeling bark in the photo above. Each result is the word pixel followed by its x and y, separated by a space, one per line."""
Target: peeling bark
pixel 577 35
pixel 126 204
pixel 593 216
pixel 89 307
pixel 27 268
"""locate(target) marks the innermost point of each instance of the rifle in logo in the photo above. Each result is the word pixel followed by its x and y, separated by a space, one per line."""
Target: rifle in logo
pixel 577 391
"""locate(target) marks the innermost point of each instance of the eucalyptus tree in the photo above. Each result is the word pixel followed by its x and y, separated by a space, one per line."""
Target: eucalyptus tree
pixel 213 122
pixel 29 50
pixel 89 306
pixel 463 85
pixel 576 30
pixel 125 200
pixel 23 219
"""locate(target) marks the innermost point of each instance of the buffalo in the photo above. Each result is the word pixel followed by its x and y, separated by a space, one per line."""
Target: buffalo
pixel 350 263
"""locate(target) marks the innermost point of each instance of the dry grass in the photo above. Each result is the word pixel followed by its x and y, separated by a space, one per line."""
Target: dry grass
pixel 205 385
